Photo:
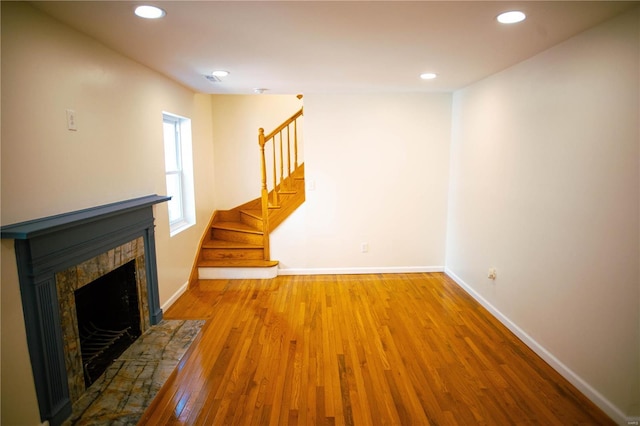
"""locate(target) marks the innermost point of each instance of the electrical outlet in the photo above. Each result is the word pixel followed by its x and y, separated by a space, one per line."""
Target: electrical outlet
pixel 364 247
pixel 492 274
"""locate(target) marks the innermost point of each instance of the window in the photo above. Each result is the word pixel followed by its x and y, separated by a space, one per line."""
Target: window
pixel 179 171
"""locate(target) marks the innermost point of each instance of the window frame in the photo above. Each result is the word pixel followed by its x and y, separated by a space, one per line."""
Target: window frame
pixel 182 162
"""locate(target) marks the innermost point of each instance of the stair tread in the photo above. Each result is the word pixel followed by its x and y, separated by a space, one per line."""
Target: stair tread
pixel 222 244
pixel 237 263
pixel 236 226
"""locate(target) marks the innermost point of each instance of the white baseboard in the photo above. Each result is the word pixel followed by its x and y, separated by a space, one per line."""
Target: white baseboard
pixel 274 271
pixel 175 296
pixel 605 405
pixel 365 270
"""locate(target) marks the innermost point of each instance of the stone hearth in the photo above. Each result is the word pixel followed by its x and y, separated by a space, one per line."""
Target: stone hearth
pixel 123 393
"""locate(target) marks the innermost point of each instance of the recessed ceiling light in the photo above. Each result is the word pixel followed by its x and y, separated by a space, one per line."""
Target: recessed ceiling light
pixel 149 12
pixel 259 90
pixel 220 73
pixel 428 75
pixel 511 17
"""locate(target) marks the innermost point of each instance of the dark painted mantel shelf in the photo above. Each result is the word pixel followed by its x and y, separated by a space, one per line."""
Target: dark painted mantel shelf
pixel 49 245
pixel 50 224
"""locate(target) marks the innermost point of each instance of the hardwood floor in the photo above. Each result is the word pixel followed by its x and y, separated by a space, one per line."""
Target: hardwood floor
pixel 403 349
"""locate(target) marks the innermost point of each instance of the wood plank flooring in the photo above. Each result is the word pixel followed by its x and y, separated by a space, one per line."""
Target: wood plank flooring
pixel 401 349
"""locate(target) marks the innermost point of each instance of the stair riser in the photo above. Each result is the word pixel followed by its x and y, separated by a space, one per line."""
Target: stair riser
pixel 237 273
pixel 241 254
pixel 227 216
pixel 251 221
pixel 236 236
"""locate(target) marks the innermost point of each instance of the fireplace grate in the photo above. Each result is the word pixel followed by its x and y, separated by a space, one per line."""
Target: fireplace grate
pixel 101 347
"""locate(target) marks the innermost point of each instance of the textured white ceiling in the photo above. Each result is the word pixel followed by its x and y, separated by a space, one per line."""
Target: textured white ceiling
pixel 331 46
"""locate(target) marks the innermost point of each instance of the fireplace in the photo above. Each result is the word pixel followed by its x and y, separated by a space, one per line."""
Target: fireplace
pixel 108 319
pixel 88 295
pixel 60 257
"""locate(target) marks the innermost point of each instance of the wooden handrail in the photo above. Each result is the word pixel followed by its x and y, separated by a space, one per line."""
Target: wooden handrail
pixel 285 181
pixel 281 127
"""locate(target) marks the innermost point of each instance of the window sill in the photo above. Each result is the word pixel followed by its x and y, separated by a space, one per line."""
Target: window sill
pixel 178 227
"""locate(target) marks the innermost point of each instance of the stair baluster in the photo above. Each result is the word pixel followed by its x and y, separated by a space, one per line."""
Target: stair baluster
pixel 281 163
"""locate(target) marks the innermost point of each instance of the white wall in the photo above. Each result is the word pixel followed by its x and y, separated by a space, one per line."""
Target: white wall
pixel 545 188
pixel 116 154
pixel 236 120
pixel 379 164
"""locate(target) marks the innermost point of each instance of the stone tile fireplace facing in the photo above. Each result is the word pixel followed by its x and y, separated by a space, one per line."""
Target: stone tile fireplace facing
pixel 76 277
pixel 58 255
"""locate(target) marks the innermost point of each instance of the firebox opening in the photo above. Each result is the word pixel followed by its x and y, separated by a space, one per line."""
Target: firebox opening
pixel 108 319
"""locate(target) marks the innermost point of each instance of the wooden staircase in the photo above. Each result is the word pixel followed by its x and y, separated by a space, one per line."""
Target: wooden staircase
pixel 236 242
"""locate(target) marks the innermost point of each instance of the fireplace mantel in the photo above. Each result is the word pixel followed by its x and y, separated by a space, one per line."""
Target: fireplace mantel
pixel 51 224
pixel 52 244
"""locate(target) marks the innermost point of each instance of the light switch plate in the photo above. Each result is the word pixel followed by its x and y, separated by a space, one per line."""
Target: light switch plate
pixel 71 120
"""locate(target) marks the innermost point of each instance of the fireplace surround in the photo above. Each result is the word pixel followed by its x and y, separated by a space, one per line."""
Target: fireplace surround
pixel 75 281
pixel 46 249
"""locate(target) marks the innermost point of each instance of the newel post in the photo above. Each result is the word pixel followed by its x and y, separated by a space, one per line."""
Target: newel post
pixel 264 194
